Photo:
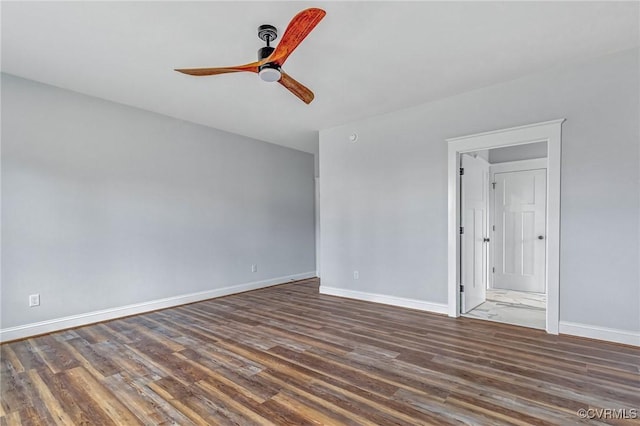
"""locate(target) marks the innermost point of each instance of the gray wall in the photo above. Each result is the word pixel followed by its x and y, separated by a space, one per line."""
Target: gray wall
pixel 518 152
pixel 105 205
pixel 384 198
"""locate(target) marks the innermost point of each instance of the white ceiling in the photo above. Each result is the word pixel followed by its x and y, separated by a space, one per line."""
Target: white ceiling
pixel 364 58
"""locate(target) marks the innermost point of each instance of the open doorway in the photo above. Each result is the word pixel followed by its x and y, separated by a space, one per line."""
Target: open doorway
pixel 503 253
pixel 470 234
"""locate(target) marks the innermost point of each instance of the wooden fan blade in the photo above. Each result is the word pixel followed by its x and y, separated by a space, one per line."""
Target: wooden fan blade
pixel 252 67
pixel 299 27
pixel 296 88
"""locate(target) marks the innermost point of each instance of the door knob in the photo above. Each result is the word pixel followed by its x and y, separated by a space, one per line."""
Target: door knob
pixel 540 237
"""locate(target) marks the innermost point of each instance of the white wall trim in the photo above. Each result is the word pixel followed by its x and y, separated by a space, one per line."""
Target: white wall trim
pixel 518 166
pixel 317 219
pixel 525 127
pixel 549 131
pixel 49 326
pixel 626 337
pixel 438 308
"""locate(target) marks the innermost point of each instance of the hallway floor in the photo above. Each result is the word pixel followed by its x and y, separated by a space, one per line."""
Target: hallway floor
pixel 513 307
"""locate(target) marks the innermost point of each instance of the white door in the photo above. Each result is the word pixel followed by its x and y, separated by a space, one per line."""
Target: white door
pixel 474 186
pixel 520 228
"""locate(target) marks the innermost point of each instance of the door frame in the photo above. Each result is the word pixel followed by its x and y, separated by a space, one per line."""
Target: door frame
pixel 506 167
pixel 547 131
pixel 316 214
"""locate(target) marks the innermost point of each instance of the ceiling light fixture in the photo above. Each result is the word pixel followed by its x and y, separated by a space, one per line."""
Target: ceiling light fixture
pixel 269 73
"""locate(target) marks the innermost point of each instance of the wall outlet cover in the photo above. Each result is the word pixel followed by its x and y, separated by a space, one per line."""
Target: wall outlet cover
pixel 34 300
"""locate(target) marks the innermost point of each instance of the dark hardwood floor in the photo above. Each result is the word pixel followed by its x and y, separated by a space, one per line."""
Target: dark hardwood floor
pixel 287 355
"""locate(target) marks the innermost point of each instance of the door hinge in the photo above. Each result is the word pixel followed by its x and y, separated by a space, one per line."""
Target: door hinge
pixel 493 184
pixel 494 228
pixel 493 269
pixel 461 288
pixel 461 171
pixel 461 230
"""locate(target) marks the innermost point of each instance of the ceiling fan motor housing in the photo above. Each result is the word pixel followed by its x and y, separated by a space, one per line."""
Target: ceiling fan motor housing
pixel 264 52
pixel 268 72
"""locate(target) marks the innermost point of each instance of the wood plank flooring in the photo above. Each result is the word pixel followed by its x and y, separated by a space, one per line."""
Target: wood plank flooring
pixel 288 355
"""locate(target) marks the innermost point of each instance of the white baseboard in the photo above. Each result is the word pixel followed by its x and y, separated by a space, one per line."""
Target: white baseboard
pixel 601 333
pixel 49 326
pixel 439 308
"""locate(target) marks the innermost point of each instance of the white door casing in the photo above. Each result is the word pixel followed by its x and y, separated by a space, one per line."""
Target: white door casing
pixel 317 220
pixel 474 219
pixel 520 230
pixel 549 131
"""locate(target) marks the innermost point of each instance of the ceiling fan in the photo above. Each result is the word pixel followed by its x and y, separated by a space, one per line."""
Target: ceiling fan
pixel 270 60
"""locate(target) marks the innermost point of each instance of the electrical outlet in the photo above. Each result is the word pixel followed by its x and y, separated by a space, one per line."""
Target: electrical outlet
pixel 254 268
pixel 34 300
pixel 356 275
